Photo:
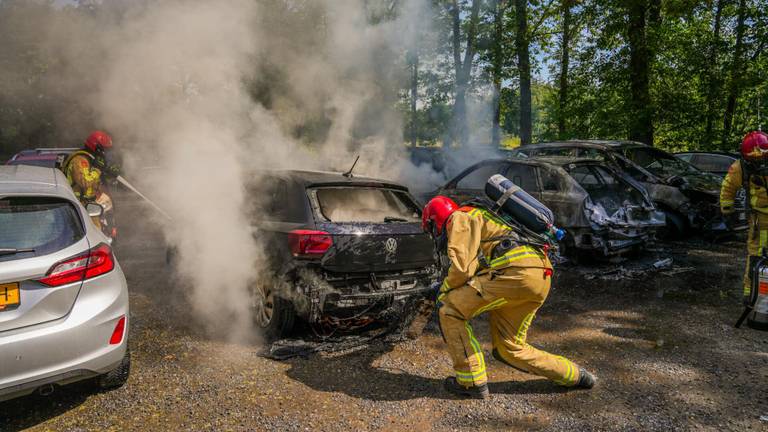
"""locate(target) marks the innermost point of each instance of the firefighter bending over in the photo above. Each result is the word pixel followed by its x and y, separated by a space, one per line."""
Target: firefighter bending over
pixel 751 173
pixel 509 284
pixel 85 170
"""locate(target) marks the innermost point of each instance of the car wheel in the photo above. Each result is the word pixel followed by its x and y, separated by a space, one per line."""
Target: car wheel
pixel 674 228
pixel 118 376
pixel 272 314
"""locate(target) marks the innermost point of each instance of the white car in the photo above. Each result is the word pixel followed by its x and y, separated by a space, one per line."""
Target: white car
pixel 63 297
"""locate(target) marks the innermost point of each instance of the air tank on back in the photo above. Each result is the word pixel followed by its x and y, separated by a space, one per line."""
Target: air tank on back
pixel 522 207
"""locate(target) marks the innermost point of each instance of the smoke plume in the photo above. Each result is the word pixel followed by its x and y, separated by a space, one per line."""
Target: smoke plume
pixel 199 95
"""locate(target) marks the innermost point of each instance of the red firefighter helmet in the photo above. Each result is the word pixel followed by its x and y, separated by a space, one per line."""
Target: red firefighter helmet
pixel 754 145
pixel 98 140
pixel 436 213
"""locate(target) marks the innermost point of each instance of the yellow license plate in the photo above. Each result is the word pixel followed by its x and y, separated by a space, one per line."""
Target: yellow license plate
pixel 9 295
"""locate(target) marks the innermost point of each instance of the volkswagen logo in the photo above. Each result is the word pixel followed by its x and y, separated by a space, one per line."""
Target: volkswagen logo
pixel 390 245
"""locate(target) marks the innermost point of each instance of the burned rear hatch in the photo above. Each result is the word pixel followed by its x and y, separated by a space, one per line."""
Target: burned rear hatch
pixel 374 229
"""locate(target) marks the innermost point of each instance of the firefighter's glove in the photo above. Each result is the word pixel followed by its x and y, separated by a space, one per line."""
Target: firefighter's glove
pixel 110 170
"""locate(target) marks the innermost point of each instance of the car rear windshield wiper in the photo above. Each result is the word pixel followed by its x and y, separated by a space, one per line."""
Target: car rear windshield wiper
pixel 389 219
pixel 12 251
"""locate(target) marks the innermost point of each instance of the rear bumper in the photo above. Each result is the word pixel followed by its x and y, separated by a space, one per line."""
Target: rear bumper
pixel 615 241
pixel 71 348
pixel 326 294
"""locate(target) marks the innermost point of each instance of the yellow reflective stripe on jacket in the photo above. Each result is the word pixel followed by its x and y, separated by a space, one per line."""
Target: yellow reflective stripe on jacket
pixel 516 254
pixel 444 286
pixel 490 216
pixel 90 177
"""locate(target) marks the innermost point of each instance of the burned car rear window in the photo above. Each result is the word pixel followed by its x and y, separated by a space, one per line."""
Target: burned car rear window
pixel 40 225
pixel 365 204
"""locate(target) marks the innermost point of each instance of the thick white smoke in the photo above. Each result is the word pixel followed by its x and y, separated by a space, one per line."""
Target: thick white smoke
pixel 203 93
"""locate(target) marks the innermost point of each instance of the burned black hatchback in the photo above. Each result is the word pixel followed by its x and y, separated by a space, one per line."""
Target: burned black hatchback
pixel 342 252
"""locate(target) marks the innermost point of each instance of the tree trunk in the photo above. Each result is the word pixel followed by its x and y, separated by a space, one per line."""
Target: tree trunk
pixel 564 64
pixel 736 69
pixel 498 30
pixel 463 69
pixel 458 103
pixel 524 68
pixel 414 97
pixel 712 83
pixel 641 119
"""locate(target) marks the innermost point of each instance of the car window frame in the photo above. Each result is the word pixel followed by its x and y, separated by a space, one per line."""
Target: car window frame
pixel 454 184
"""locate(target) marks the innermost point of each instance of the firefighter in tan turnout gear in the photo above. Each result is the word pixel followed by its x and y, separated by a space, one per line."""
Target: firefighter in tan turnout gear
pixel 85 169
pixel 511 288
pixel 751 173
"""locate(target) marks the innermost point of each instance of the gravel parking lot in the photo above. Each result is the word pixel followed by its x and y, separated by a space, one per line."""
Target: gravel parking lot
pixel 661 342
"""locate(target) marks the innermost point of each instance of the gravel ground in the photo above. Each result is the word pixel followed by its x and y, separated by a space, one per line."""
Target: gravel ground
pixel 661 343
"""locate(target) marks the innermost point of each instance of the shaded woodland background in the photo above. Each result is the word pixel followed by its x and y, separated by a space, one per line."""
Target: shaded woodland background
pixel 676 74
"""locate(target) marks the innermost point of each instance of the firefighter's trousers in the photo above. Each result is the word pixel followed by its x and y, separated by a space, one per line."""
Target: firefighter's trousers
pixel 757 239
pixel 511 297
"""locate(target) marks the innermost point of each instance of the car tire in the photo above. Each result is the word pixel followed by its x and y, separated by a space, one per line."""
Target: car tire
pixel 118 376
pixel 273 316
pixel 674 228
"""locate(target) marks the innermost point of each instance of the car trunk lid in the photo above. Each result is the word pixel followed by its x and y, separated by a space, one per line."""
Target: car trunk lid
pixel 366 248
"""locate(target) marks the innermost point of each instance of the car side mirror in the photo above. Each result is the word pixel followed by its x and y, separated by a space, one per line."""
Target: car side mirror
pixel 94 210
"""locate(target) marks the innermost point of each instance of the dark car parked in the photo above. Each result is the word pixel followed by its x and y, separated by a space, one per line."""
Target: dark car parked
pixel 345 251
pixel 716 163
pixel 601 210
pixel 689 197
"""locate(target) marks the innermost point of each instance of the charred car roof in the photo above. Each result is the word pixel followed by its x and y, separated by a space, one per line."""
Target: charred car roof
pixel 330 178
pixel 588 144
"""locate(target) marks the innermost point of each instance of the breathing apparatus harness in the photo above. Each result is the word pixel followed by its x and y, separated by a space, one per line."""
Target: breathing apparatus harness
pixel 519 235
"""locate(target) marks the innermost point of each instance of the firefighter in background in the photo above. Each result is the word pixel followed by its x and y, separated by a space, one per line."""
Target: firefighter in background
pixel 751 173
pixel 86 170
pixel 509 284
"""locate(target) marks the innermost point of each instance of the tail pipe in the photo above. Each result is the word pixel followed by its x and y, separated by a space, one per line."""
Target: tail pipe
pixel 46 390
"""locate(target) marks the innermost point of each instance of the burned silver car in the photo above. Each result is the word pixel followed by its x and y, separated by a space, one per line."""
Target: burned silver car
pixel 690 198
pixel 601 209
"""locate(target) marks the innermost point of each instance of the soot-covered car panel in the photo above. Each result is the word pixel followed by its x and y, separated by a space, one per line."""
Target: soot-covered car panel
pixel 688 197
pixel 600 209
pixel 343 251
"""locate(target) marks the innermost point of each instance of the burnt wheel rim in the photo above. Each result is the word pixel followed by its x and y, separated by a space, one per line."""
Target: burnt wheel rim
pixel 263 304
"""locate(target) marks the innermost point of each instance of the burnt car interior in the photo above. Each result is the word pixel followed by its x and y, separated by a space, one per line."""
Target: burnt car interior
pixel 605 188
pixel 356 204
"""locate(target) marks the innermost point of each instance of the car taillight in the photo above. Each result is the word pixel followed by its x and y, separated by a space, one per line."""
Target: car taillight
pixel 309 243
pixel 117 333
pixel 95 262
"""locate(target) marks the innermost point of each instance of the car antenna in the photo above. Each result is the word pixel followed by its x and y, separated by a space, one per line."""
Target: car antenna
pixel 348 174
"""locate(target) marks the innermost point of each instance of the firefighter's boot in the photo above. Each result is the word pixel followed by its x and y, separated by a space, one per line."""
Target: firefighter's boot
pixel 586 379
pixel 473 392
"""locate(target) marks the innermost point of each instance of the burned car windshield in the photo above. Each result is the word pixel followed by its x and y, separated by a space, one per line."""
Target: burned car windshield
pixel 366 204
pixel 658 162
